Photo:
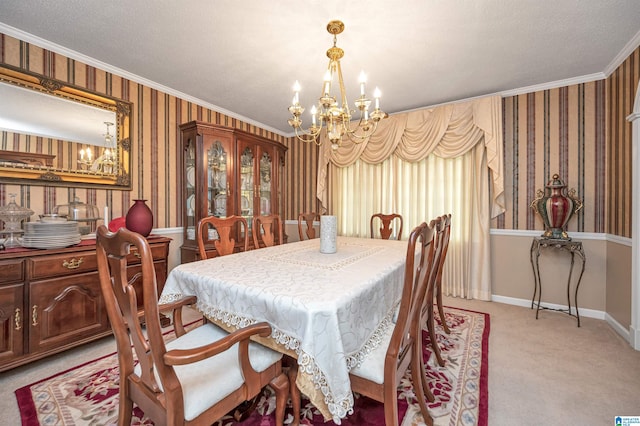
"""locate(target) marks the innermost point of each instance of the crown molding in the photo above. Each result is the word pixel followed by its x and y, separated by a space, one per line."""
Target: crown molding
pixel 45 44
pixel 554 84
pixel 623 54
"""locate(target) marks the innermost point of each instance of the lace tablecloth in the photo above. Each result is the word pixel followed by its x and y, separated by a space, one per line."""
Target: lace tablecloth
pixel 329 310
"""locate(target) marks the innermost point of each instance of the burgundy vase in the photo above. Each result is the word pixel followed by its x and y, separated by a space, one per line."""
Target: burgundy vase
pixel 139 218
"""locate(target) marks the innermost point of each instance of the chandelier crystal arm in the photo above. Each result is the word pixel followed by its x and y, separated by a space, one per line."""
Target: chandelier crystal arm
pixel 335 118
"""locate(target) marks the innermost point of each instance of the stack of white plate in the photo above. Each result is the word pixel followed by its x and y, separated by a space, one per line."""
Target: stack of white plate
pixel 50 234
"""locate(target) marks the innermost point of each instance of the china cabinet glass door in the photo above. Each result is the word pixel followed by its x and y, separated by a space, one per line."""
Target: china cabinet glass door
pixel 266 184
pixel 190 191
pixel 217 184
pixel 247 192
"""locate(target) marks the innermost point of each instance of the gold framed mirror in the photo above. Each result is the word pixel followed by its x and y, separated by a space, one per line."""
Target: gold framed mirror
pixel 54 133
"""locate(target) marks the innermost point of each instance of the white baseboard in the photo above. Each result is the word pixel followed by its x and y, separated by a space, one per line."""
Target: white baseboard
pixel 618 328
pixel 589 313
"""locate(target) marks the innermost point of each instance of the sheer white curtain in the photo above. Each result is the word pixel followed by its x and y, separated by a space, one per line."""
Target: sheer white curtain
pixel 422 165
pixel 420 192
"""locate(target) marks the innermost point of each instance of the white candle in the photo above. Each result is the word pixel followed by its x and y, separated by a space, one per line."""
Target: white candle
pixel 362 80
pixel 296 90
pixel 327 83
pixel 106 215
pixel 376 94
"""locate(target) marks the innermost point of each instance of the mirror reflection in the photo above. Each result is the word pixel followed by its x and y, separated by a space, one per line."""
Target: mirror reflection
pixel 56 134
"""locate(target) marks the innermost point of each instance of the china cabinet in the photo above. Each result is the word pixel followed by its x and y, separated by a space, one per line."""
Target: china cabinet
pixel 50 300
pixel 224 172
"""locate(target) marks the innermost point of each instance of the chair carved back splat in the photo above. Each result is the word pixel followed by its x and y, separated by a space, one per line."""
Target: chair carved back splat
pixel 227 230
pixel 387 222
pixel 267 231
pixel 305 225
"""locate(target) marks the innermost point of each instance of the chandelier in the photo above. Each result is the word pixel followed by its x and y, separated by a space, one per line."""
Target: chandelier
pixel 336 118
pixel 104 163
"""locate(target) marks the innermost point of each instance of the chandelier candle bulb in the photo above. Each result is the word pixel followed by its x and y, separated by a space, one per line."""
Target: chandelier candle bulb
pixel 296 89
pixel 327 83
pixel 376 94
pixel 362 80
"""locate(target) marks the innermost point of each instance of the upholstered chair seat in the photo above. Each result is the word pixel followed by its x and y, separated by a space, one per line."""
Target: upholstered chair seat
pixel 207 382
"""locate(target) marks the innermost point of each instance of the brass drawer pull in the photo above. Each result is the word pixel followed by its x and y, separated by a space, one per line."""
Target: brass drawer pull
pixel 34 315
pixel 73 263
pixel 136 254
pixel 18 320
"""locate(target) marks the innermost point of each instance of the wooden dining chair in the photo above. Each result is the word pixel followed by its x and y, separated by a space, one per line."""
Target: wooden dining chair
pixel 222 238
pixel 428 310
pixel 267 231
pixel 379 374
pixel 446 236
pixel 192 380
pixel 386 225
pixel 305 225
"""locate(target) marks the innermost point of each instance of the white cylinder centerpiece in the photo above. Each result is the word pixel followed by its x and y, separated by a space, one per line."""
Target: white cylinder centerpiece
pixel 328 234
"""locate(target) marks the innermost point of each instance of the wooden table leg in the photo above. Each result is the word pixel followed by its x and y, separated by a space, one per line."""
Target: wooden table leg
pixel 292 365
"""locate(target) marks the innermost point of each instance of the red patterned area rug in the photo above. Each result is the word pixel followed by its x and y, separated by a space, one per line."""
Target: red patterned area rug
pixel 88 394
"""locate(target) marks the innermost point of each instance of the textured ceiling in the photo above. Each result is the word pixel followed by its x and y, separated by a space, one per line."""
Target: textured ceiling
pixel 242 58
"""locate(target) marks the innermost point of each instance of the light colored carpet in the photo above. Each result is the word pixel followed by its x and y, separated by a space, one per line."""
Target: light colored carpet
pixel 545 371
pixel 549 371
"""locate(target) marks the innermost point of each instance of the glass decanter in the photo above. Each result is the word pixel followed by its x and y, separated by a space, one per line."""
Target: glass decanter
pixel 12 214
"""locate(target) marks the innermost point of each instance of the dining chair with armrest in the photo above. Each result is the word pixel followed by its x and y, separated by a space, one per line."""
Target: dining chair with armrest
pixel 305 225
pixel 267 231
pixel 193 380
pixel 225 243
pixel 379 374
pixel 386 225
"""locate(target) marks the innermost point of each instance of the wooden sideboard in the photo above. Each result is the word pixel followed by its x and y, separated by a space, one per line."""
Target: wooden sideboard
pixel 50 300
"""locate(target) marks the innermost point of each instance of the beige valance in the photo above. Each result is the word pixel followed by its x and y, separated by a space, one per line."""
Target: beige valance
pixel 447 131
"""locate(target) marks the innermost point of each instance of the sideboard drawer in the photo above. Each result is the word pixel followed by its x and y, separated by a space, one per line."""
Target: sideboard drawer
pixel 11 270
pixel 63 264
pixel 158 252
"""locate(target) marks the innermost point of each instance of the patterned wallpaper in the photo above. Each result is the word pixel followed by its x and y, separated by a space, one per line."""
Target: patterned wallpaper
pixel 581 133
pixel 155 138
pixel 578 131
pixel 555 131
pixel 622 86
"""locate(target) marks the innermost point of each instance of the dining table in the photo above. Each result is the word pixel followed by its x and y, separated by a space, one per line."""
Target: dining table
pixel 326 310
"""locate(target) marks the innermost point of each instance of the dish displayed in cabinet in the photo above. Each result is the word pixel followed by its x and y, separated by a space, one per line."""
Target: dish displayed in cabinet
pixel 191 176
pixel 191 205
pixel 221 205
pixel 246 205
pixel 265 205
pixel 221 179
